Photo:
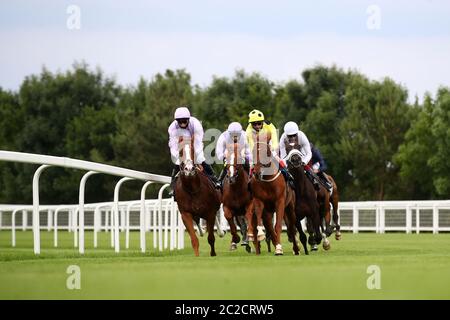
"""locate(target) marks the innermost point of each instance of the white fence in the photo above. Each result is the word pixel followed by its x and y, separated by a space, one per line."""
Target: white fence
pixel 160 217
pixel 404 216
pixel 91 168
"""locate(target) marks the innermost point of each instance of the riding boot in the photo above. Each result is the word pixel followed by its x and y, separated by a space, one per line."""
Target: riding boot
pixel 288 177
pixel 222 176
pixel 175 171
pixel 324 179
pixel 312 177
pixel 210 172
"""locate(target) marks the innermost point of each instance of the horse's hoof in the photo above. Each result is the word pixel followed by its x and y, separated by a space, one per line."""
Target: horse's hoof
pixel 213 254
pixel 261 234
pixel 326 245
pixel 278 250
pixel 248 248
pixel 314 247
pixel 233 246
pixel 338 235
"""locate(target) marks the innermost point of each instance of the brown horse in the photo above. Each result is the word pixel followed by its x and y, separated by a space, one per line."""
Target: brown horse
pixel 236 198
pixel 308 195
pixel 306 204
pixel 196 195
pixel 270 194
pixel 333 199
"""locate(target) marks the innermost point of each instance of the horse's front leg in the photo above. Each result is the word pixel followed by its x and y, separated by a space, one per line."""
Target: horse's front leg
pixel 210 226
pixel 188 223
pixel 234 236
pixel 259 207
pixel 311 238
pixel 335 202
pixel 298 224
pixel 280 206
pixel 290 223
pixel 327 208
pixel 249 217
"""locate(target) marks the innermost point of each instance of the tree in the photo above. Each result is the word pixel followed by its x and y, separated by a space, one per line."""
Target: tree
pixel 144 115
pixel 377 117
pixel 50 103
pixel 423 157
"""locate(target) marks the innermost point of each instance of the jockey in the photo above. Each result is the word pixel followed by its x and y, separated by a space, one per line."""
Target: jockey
pixel 290 131
pixel 258 126
pixel 319 166
pixel 233 134
pixel 187 126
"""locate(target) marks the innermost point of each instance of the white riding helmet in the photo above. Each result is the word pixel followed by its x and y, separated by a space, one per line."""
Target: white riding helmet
pixel 234 127
pixel 182 113
pixel 291 128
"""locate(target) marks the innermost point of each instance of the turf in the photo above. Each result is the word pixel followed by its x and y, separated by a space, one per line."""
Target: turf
pixel 412 267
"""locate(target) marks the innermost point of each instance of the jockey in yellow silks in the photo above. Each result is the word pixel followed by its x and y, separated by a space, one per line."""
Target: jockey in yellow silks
pixel 262 128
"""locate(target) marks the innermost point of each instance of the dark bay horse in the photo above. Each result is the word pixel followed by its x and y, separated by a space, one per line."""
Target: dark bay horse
pixel 236 198
pixel 196 195
pixel 306 204
pixel 314 204
pixel 270 194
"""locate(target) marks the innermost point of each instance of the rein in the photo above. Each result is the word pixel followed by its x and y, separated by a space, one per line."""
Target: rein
pixel 270 180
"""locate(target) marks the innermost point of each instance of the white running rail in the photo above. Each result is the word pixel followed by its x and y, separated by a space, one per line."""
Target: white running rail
pixel 92 168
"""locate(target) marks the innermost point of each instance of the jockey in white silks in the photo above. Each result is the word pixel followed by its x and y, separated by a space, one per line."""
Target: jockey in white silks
pixel 291 131
pixel 185 125
pixel 233 134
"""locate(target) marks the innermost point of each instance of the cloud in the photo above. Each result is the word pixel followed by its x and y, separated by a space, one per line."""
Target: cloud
pixel 419 63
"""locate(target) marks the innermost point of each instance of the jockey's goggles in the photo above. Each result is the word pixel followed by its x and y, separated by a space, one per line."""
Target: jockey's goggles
pixel 182 121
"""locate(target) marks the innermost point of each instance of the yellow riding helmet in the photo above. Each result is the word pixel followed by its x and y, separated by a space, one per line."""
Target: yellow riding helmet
pixel 255 115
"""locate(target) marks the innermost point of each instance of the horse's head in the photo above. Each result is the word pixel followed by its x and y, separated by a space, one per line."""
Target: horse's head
pixel 186 152
pixel 233 157
pixel 294 158
pixel 294 155
pixel 263 160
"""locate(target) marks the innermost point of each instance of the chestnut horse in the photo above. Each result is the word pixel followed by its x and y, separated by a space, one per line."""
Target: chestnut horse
pixel 196 195
pixel 236 198
pixel 334 200
pixel 270 194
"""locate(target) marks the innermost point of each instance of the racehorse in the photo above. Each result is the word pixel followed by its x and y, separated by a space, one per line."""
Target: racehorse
pixel 196 195
pixel 334 201
pixel 306 204
pixel 314 204
pixel 270 194
pixel 236 197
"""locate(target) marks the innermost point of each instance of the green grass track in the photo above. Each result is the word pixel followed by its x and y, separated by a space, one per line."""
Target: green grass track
pixel 412 267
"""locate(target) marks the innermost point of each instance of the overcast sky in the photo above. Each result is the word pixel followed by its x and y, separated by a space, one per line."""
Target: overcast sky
pixel 408 41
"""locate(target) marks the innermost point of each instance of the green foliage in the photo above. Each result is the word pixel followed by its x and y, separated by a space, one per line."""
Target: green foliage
pixel 423 157
pixel 377 117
